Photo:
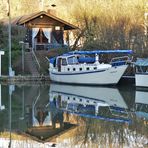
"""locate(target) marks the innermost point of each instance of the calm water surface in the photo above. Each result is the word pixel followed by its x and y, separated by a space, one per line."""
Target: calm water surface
pixel 52 115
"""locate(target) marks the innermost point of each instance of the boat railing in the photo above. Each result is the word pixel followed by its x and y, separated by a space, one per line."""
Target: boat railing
pixel 117 61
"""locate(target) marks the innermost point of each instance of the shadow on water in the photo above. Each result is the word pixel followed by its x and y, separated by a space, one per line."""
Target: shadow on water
pixel 67 115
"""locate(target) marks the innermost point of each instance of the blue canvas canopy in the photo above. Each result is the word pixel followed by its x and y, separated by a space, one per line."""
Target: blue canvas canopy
pixel 52 60
pixel 102 52
pixel 80 52
pixel 141 62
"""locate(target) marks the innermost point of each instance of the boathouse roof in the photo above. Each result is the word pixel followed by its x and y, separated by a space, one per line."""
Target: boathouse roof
pixel 43 19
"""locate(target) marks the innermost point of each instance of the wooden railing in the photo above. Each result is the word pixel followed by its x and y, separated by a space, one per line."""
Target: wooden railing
pixel 47 46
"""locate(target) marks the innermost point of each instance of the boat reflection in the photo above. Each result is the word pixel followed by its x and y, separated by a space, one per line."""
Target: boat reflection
pixel 141 104
pixel 93 102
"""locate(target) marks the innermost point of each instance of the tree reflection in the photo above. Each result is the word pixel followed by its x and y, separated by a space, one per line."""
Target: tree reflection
pixel 96 132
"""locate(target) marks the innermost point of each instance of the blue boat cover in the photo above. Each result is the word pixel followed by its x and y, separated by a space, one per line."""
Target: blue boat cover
pixel 102 52
pixel 86 59
pixel 142 62
pixel 94 52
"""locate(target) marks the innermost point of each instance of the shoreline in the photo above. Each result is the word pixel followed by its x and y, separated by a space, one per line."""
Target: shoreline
pixel 20 78
pixel 46 78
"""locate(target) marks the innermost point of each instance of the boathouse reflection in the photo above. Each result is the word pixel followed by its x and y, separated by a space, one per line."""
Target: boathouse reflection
pixel 29 113
pixel 44 119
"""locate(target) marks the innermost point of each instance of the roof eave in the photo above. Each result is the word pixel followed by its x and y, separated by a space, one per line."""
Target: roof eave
pixel 67 26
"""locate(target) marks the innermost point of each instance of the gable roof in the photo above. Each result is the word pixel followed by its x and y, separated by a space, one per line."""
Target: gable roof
pixel 26 18
pixel 22 20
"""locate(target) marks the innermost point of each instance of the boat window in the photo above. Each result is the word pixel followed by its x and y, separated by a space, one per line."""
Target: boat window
pixel 72 60
pixel 64 62
pixel 74 69
pixel 95 68
pixel 141 69
pixel 87 68
pixel 59 64
pixel 80 69
pixel 68 69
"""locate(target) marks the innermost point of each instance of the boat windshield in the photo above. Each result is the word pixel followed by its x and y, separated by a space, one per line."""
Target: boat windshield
pixel 72 60
pixel 142 65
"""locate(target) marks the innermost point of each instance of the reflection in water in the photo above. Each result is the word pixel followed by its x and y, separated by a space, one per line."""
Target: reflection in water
pixel 65 115
pixel 141 105
pixel 2 107
pixel 93 102
pixel 11 89
pixel 30 117
pixel 91 108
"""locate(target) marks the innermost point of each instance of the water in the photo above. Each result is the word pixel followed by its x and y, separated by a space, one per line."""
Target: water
pixel 52 115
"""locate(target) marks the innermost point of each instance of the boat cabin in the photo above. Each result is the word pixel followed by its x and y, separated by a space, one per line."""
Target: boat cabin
pixel 77 63
pixel 141 65
pixel 67 60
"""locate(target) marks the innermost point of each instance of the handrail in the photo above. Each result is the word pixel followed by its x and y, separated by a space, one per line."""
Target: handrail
pixel 36 59
pixel 123 58
pixel 117 58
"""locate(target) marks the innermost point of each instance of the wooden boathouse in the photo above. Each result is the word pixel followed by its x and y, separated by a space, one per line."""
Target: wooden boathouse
pixel 45 30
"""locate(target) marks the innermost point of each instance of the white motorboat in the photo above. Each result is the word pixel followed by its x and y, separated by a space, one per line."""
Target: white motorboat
pixel 94 102
pixel 80 67
pixel 141 75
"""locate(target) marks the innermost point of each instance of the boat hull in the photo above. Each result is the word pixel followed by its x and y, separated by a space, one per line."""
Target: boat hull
pixel 102 77
pixel 141 79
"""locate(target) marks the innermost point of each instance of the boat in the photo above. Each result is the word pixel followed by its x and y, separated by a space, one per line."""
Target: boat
pixel 96 102
pixel 84 67
pixel 141 75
